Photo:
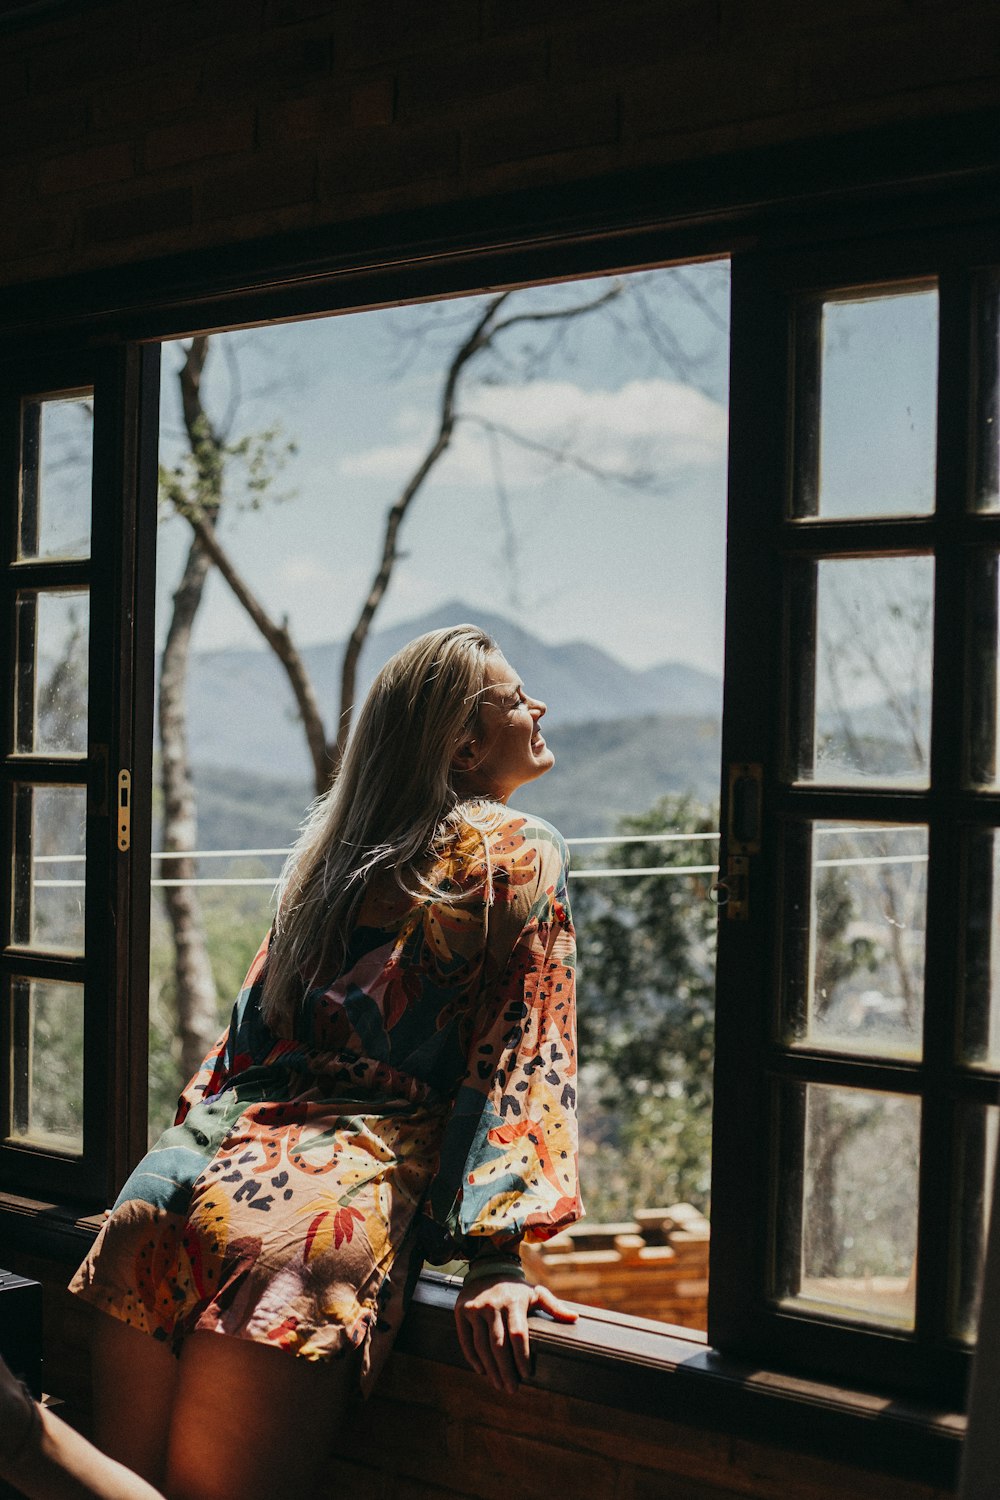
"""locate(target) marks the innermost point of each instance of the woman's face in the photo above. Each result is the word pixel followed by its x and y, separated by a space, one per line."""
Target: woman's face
pixel 506 747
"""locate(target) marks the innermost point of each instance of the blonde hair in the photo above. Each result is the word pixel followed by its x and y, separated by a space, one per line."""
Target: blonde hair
pixel 391 807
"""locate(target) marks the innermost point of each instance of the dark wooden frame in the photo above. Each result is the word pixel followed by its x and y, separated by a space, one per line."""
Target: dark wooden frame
pixel 765 542
pixel 114 966
pixel 895 186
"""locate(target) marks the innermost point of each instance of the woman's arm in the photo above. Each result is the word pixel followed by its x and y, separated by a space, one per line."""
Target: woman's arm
pixel 45 1459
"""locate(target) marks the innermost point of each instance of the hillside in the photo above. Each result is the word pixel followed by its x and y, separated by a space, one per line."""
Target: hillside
pixel 579 682
pixel 603 770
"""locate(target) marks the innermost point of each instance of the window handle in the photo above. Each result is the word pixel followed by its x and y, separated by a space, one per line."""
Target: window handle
pixel 746 787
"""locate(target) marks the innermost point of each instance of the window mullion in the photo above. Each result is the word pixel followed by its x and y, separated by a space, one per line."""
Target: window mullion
pixel 945 916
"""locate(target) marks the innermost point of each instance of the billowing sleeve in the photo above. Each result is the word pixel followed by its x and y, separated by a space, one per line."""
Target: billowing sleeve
pixel 245 1043
pixel 508 1168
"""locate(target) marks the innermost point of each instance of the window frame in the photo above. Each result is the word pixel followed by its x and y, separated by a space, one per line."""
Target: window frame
pixel 113 967
pixel 912 178
pixel 767 539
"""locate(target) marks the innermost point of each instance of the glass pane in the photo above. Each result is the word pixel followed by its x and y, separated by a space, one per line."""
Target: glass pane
pixel 848 1217
pixel 861 636
pixel 984 675
pixel 57 445
pixel 46 1092
pixel 53 642
pixel 987 491
pixel 977 1145
pixel 855 967
pixel 49 867
pixel 867 406
pixel 981 954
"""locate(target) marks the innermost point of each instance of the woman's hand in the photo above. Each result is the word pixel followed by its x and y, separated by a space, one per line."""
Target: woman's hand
pixel 492 1319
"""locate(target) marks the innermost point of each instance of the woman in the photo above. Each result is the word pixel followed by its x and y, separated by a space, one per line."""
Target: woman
pixel 397 1084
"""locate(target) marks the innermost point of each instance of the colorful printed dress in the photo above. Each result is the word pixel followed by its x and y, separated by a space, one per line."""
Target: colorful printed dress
pixel 423 1109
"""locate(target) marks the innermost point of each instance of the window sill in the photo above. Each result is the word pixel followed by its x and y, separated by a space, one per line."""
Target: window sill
pixel 658 1370
pixel 634 1365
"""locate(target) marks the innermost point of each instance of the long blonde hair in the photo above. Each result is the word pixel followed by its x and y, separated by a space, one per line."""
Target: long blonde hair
pixel 390 807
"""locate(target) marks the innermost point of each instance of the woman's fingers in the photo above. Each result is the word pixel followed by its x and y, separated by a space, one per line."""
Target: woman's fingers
pixel 466 1341
pixel 547 1300
pixel 502 1352
pixel 517 1333
pixel 484 1349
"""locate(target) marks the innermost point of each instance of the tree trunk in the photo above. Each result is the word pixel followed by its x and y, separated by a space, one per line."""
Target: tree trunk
pixel 196 997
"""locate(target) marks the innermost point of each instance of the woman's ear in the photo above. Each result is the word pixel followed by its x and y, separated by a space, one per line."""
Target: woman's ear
pixel 464 757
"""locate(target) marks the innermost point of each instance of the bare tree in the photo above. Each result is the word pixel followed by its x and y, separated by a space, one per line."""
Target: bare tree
pixel 196 999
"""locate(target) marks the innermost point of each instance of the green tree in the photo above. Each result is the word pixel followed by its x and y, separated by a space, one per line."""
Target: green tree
pixel 647 1016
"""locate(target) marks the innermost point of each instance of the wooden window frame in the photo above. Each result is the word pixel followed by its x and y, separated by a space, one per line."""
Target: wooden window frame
pixel 744 1316
pixel 114 965
pixel 904 181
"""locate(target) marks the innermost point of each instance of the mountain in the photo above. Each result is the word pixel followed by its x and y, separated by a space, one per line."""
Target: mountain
pixel 580 683
pixel 603 770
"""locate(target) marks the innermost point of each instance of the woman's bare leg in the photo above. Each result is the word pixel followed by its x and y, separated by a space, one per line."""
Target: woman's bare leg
pixel 252 1421
pixel 134 1383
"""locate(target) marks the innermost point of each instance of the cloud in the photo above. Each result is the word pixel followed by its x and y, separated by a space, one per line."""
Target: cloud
pixel 658 427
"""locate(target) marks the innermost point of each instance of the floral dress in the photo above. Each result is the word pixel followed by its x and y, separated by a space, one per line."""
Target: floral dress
pixel 423 1108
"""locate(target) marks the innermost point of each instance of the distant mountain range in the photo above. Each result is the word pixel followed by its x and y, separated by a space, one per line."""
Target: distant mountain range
pixel 241 713
pixel 603 771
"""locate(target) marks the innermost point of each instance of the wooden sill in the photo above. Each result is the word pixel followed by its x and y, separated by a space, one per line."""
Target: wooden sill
pixel 636 1365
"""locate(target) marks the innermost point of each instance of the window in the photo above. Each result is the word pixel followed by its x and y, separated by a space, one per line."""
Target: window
pixel 70 625
pixel 858 1032
pixel 856 978
pixel 576 402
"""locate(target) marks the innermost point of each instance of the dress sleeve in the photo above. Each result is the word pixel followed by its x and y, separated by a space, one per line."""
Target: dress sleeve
pixel 245 1041
pixel 509 1162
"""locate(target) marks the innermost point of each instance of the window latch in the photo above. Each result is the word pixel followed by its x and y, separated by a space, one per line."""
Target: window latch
pixel 746 788
pixel 124 810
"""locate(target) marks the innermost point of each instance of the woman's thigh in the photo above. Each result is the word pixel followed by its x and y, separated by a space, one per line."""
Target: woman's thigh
pixel 134 1382
pixel 252 1421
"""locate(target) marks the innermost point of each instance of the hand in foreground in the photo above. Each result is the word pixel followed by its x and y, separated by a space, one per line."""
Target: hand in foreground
pixel 492 1320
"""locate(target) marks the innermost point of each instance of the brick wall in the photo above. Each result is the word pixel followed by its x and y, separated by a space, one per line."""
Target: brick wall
pixel 132 128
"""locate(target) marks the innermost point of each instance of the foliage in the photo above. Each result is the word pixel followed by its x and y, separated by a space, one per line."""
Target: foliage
pixel 194 485
pixel 647 1018
pixel 235 921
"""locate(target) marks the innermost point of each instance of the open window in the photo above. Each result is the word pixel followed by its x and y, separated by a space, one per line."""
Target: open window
pixel 857 1066
pixel 71 541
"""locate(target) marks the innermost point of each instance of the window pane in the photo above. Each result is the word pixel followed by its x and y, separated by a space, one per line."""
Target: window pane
pixel 977 1145
pixel 981 957
pixel 57 442
pixel 847 1231
pixel 860 638
pixel 867 406
pixel 53 641
pixel 856 903
pixel 49 867
pixel 987 491
pixel 46 1092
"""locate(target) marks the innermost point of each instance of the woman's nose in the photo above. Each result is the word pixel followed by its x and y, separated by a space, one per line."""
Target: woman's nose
pixel 537 707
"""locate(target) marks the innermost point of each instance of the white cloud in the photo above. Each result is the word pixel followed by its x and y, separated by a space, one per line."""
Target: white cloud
pixel 657 426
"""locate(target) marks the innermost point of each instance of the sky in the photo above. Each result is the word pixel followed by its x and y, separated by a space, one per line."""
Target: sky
pixel 584 492
pixel 620 545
